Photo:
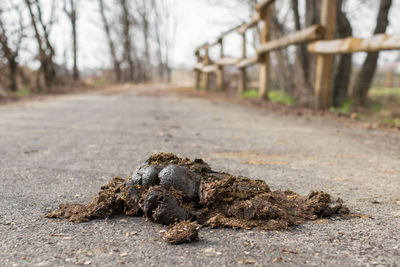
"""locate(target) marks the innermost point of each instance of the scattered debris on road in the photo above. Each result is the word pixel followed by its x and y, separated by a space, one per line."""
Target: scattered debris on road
pixel 182 232
pixel 187 194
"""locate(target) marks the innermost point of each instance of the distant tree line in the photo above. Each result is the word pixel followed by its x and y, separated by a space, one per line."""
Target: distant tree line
pixel 134 30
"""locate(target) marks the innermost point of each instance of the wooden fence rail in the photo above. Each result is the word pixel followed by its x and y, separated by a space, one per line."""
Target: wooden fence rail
pixel 320 41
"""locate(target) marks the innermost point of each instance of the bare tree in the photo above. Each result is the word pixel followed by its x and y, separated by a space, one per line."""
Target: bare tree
pixel 126 32
pixel 111 45
pixel 159 5
pixel 143 11
pixel 312 12
pixel 8 52
pixel 42 31
pixel 365 77
pixel 344 66
pixel 312 17
pixel 282 73
pixel 163 24
pixel 70 9
pixel 302 54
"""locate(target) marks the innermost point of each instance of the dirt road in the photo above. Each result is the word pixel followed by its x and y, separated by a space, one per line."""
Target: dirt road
pixel 63 149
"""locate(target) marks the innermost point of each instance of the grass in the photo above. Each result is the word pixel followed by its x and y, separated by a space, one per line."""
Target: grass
pixel 23 92
pixel 251 93
pixel 379 92
pixel 383 107
pixel 385 95
pixel 99 82
pixel 343 109
pixel 392 121
pixel 275 96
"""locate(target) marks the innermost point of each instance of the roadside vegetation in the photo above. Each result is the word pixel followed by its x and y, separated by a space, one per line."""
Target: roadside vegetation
pixel 383 107
pixel 276 96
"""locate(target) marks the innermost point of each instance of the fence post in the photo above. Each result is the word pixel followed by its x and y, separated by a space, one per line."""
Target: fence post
pixel 264 60
pixel 198 72
pixel 206 75
pixel 323 79
pixel 220 69
pixel 243 75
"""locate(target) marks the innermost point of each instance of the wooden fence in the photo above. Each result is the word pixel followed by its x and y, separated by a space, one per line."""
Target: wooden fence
pixel 320 41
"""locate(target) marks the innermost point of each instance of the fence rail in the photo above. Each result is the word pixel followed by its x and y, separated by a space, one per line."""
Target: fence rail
pixel 320 42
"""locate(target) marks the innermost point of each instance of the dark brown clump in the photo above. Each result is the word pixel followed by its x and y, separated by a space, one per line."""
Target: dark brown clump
pixel 182 232
pixel 169 189
pixel 161 206
pixel 111 200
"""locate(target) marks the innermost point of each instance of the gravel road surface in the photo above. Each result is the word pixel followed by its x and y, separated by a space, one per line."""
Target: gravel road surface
pixel 63 149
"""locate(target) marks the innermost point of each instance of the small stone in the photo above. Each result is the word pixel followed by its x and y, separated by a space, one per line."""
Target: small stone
pixel 249 261
pixel 279 259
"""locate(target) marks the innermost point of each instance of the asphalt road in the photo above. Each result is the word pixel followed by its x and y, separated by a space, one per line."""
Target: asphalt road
pixel 63 149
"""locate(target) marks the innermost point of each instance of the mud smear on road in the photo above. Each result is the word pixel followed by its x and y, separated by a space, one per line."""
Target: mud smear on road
pixel 187 194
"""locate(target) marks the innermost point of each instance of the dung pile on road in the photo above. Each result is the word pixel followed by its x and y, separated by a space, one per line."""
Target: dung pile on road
pixel 187 194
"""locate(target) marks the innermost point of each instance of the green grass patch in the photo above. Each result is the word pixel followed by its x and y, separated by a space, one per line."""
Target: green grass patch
pixel 381 92
pixel 251 93
pixel 100 82
pixel 385 95
pixel 392 121
pixel 274 96
pixel 23 92
pixel 281 97
pixel 343 109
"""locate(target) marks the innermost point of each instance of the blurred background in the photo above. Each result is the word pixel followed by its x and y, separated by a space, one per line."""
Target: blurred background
pixel 66 45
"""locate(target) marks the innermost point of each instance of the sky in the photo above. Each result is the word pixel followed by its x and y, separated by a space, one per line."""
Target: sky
pixel 197 22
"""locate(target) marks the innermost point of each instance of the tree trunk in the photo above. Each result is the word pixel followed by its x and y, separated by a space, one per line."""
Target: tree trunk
pixel 25 80
pixel 127 38
pixel 145 26
pixel 343 69
pixel 312 17
pixel 365 77
pixel 312 12
pixel 117 70
pixel 46 50
pixel 49 72
pixel 283 70
pixel 13 67
pixel 111 46
pixel 75 70
pixel 9 55
pixel 302 54
pixel 158 20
